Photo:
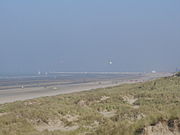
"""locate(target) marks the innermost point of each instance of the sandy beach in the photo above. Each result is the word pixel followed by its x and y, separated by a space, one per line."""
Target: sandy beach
pixel 15 94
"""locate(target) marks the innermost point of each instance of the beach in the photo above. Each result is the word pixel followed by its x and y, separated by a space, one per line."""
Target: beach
pixel 11 93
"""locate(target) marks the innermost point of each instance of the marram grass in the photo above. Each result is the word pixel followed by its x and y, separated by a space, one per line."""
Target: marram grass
pixel 120 110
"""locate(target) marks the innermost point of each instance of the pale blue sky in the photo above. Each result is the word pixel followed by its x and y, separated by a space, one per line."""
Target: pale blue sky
pixel 82 35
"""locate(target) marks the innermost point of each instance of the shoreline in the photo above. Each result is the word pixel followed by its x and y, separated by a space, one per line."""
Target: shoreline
pixel 20 94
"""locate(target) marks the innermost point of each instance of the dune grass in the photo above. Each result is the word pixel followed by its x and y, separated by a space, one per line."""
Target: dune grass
pixel 84 113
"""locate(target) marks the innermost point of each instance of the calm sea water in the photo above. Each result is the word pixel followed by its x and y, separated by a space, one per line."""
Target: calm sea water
pixel 24 79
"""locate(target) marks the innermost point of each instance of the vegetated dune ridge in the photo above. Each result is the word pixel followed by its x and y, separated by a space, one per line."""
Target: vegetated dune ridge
pixel 149 108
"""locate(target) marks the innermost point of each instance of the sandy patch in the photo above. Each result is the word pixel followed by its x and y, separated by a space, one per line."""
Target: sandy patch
pixel 58 124
pixel 140 116
pixel 71 118
pixel 27 103
pixel 55 125
pixel 103 98
pixel 93 125
pixel 162 128
pixel 130 99
pixel 82 103
pixel 2 114
pixel 136 106
pixel 108 114
pixel 133 117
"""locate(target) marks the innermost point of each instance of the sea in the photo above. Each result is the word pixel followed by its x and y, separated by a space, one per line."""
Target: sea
pixel 68 77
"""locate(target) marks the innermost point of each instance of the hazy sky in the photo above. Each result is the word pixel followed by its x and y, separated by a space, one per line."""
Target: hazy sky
pixel 82 35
